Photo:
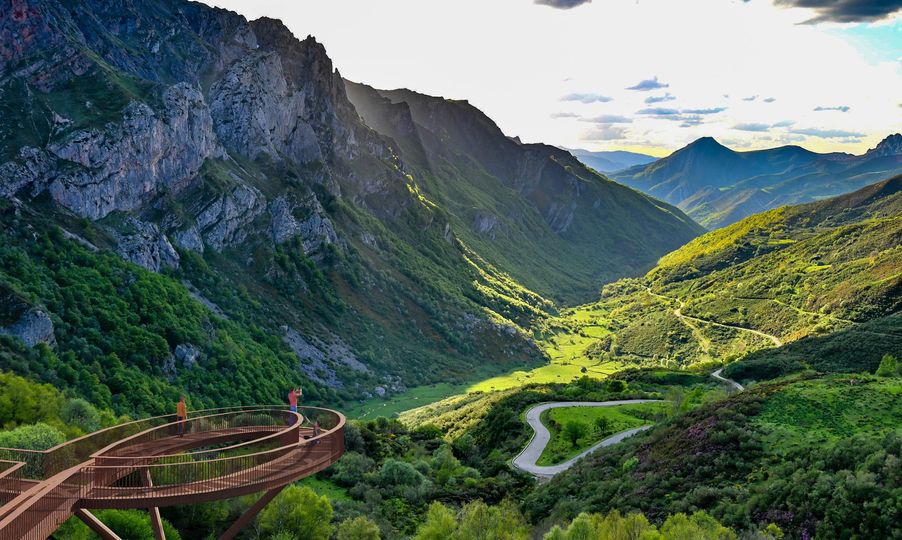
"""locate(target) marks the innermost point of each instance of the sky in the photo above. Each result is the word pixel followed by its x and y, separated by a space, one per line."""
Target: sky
pixel 642 75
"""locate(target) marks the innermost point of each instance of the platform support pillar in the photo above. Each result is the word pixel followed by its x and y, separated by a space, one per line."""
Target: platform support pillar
pixel 250 514
pixel 96 525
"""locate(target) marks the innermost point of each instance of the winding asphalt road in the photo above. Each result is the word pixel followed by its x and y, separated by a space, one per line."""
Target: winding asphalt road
pixel 526 460
pixel 730 382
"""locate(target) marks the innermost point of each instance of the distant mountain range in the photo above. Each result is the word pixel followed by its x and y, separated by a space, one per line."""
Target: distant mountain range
pixel 613 161
pixel 717 186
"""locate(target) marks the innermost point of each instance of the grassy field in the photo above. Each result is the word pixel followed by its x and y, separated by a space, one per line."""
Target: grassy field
pixel 404 401
pixel 615 419
pixel 566 344
pixel 826 410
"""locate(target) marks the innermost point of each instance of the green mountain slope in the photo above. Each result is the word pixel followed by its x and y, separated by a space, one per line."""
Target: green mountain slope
pixel 718 186
pixel 775 277
pixel 532 210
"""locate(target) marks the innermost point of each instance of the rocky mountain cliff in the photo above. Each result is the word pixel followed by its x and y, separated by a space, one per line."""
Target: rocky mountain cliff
pixel 532 210
pixel 718 186
pixel 226 156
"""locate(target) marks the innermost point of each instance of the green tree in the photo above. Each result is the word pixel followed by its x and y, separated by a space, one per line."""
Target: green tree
pixel 298 511
pixel 358 528
pixel 25 402
pixel 478 521
pixel 698 526
pixel 81 414
pixel 444 465
pixel 399 473
pixel 613 526
pixel 574 431
pixel 889 366
pixel 603 424
pixel 351 468
pixel 440 524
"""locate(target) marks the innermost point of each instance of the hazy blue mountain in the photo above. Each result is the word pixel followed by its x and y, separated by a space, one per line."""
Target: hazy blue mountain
pixel 612 161
pixel 718 186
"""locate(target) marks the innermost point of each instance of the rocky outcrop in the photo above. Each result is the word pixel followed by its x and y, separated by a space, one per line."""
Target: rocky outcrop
pixel 256 113
pixel 145 245
pixel 224 221
pixel 123 166
pixel 186 354
pixel 319 360
pixel 31 170
pixel 312 360
pixel 33 327
pixel 486 223
pixel 314 229
pixel 890 146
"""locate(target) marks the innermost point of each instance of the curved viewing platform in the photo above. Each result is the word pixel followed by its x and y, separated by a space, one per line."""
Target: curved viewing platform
pixel 147 464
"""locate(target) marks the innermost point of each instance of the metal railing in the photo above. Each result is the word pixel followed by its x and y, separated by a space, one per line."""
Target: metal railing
pixel 253 449
pixel 42 464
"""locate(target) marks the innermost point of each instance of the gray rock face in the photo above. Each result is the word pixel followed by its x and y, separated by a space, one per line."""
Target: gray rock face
pixel 32 169
pixel 122 166
pixel 486 223
pixel 315 230
pixel 33 327
pixel 190 238
pixel 223 222
pixel 187 354
pixel 255 113
pixel 145 245
pixel 312 360
pixel 319 361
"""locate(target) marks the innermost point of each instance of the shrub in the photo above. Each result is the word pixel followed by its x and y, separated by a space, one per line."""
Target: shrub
pixel 889 366
pixel 38 436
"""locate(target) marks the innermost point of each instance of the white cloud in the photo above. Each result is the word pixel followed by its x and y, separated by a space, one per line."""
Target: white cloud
pixel 608 119
pixel 604 133
pixel 586 98
pixel 517 73
pixel 660 99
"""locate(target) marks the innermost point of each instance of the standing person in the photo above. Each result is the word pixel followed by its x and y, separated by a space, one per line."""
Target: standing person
pixel 181 414
pixel 293 396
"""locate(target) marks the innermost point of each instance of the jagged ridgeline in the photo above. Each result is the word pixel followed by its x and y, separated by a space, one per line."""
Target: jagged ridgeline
pixel 718 186
pixel 190 201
